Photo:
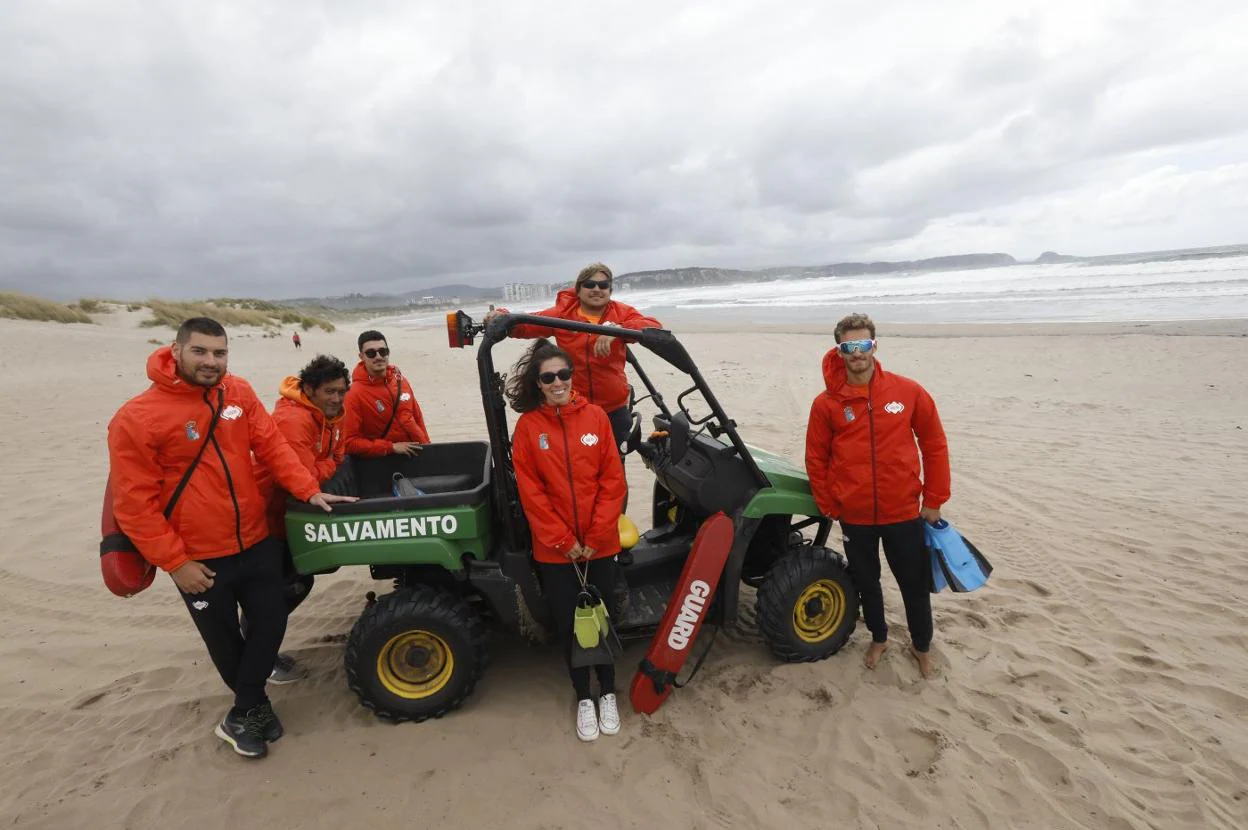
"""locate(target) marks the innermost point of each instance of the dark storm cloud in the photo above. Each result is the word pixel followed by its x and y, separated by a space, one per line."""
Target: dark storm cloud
pixel 301 148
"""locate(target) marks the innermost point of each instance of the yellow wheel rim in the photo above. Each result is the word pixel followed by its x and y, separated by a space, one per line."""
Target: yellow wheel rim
pixel 415 664
pixel 819 611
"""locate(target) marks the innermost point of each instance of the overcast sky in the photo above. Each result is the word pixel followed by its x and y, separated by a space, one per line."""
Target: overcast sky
pixel 296 147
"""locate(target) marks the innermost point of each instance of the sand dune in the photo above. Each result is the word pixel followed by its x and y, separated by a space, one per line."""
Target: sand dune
pixel 1101 680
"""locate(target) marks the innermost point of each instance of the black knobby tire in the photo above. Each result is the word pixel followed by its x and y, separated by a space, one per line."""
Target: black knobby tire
pixel 815 578
pixel 405 622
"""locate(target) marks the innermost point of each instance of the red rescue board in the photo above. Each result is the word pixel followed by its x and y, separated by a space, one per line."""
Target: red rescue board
pixel 686 609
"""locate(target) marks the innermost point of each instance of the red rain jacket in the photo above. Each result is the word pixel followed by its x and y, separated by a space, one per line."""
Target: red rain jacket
pixel 152 440
pixel 601 380
pixel 571 479
pixel 367 409
pixel 317 441
pixel 861 454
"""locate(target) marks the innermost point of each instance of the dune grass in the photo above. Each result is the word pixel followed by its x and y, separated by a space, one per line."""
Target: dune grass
pixel 231 312
pixel 93 306
pixel 227 311
pixel 24 307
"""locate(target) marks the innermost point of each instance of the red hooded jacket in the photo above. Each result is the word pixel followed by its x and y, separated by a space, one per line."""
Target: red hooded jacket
pixel 860 448
pixel 601 380
pixel 571 479
pixel 317 441
pixel 152 440
pixel 367 410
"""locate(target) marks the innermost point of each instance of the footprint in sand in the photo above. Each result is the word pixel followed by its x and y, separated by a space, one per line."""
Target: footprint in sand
pixel 921 749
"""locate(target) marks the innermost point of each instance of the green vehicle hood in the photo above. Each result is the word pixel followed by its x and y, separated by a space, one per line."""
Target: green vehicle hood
pixel 789 492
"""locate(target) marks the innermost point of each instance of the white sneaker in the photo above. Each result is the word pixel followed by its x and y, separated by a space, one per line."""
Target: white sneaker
pixel 587 721
pixel 608 715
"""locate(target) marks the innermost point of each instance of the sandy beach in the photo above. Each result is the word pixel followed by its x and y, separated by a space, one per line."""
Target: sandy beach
pixel 1099 681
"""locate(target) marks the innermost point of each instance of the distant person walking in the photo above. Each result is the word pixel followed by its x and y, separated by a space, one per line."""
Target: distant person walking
pixel 294 338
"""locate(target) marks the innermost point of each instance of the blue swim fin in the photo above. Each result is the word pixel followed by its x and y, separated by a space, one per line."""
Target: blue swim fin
pixel 955 561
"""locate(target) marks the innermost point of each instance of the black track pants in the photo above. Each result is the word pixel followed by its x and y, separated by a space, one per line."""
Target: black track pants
pixel 561 585
pixel 251 580
pixel 905 547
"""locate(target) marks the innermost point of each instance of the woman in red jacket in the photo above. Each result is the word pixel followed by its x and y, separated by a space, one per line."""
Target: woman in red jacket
pixel 571 483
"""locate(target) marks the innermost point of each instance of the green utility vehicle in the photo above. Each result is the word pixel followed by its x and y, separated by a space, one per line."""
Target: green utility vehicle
pixel 459 559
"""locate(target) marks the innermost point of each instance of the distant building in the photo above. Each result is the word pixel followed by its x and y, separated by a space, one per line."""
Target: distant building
pixel 521 291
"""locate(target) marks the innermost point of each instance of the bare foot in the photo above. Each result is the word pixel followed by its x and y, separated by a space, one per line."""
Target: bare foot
pixel 925 661
pixel 874 652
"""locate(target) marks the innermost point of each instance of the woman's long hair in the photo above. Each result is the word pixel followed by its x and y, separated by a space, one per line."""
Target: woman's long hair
pixel 522 388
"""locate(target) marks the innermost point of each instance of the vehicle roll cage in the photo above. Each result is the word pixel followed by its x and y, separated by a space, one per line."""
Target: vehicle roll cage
pixel 462 330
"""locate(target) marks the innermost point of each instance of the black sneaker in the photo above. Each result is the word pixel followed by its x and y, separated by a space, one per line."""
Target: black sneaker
pixel 286 670
pixel 270 726
pixel 244 733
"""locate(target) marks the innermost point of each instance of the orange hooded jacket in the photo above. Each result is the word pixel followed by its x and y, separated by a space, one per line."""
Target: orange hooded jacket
pixel 317 441
pixel 601 380
pixel 368 408
pixel 860 448
pixel 571 479
pixel 152 440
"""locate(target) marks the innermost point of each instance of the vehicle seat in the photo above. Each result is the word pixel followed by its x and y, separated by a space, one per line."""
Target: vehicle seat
pixel 628 533
pixel 449 483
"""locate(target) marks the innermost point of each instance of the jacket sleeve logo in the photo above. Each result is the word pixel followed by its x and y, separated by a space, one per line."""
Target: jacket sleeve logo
pixel 894 407
pixel 232 412
pixel 589 439
pixel 406 396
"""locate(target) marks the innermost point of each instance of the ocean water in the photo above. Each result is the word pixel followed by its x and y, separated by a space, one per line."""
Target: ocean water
pixel 1178 285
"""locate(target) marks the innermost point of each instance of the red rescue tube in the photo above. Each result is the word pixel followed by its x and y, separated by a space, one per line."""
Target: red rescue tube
pixel 124 569
pixel 686 609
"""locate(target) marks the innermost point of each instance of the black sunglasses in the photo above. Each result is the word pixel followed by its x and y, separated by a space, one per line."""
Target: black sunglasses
pixel 371 353
pixel 603 284
pixel 549 377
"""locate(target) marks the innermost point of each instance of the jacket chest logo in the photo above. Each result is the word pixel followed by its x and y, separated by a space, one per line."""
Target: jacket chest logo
pixel 589 439
pixel 192 433
pixel 543 442
pixel 232 412
pixel 894 407
pixel 381 407
pixel 849 415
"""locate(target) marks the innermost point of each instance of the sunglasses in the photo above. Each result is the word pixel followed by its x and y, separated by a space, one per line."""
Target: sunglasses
pixel 852 346
pixel 371 353
pixel 603 284
pixel 549 377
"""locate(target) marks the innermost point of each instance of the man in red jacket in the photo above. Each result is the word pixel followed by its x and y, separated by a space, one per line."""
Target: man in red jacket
pixel 382 415
pixel 215 544
pixel 309 415
pixel 597 361
pixel 864 472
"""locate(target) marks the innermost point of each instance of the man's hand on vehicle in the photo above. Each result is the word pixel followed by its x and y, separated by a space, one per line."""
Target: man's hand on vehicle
pixel 324 500
pixel 192 577
pixel 406 447
pixel 931 515
pixel 602 347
